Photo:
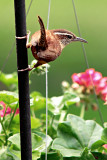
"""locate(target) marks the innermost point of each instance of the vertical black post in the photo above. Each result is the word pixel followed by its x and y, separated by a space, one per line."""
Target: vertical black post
pixel 23 80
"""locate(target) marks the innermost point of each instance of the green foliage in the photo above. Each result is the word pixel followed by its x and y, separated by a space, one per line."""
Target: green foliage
pixel 38 145
pixel 40 70
pixel 4 154
pixel 69 136
pixel 100 156
pixel 57 104
pixel 14 149
pixel 15 127
pixel 38 102
pixel 76 137
pixel 104 135
pixel 43 136
pixel 10 80
pixel 8 97
pixel 52 156
pixel 35 123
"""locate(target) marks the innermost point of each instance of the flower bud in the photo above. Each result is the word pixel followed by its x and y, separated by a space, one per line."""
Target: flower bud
pixel 75 86
pixel 65 85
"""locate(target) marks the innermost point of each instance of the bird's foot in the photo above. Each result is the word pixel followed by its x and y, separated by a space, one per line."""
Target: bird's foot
pixel 28 44
pixel 26 69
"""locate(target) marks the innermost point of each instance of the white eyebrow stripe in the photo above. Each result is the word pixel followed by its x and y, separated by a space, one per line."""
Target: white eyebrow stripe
pixel 62 33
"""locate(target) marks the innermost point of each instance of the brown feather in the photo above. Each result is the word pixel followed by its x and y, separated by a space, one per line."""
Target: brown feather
pixel 42 41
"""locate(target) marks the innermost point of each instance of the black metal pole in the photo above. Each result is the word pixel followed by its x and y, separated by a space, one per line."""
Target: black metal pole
pixel 23 80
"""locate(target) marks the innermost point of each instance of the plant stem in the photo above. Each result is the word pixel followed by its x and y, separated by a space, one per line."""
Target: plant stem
pixel 13 115
pixel 33 113
pixel 82 111
pixel 53 116
pixel 62 116
pixel 2 141
pixel 5 112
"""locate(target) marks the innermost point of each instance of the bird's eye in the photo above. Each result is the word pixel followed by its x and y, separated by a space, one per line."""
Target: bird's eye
pixel 69 36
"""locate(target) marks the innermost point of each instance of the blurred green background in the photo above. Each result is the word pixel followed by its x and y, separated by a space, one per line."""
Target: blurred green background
pixel 92 17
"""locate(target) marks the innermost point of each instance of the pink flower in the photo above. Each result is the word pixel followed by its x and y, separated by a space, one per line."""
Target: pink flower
pixel 104 93
pixel 8 110
pixel 90 71
pixel 87 78
pixel 101 85
pixel 17 111
pixel 76 78
pixel 105 146
pixel 3 109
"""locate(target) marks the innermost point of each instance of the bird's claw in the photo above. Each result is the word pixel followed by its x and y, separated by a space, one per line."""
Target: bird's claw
pixel 26 69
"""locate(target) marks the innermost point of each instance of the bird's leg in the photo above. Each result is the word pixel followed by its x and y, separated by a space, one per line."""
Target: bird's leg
pixel 39 63
pixel 26 69
pixel 28 44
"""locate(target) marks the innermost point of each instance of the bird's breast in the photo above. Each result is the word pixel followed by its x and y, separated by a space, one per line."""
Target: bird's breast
pixel 34 52
pixel 51 52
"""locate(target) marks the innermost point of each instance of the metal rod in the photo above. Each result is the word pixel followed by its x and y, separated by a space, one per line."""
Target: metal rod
pixel 23 80
pixel 46 150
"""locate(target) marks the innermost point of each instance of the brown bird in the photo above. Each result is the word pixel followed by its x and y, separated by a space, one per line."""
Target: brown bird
pixel 47 45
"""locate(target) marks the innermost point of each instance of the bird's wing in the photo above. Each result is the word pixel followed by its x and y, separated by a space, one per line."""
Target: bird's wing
pixel 42 41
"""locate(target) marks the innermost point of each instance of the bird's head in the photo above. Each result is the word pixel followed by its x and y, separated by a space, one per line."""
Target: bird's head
pixel 65 37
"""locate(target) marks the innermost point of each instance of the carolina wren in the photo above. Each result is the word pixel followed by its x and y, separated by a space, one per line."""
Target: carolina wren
pixel 47 45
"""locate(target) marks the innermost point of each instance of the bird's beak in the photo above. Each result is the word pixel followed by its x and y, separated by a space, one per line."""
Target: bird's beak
pixel 80 39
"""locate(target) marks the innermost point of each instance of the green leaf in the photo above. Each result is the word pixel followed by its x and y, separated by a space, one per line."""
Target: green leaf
pixel 52 156
pixel 35 155
pixel 76 134
pixel 35 123
pixel 87 131
pixel 9 79
pixel 8 97
pixel 105 124
pixel 87 155
pixel 15 126
pixel 38 145
pixel 100 143
pixel 57 104
pixel 14 150
pixel 52 131
pixel 38 102
pixel 104 135
pixel 15 139
pixel 35 94
pixel 13 105
pixel 16 155
pixel 43 136
pixel 36 140
pixel 97 144
pixel 3 154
